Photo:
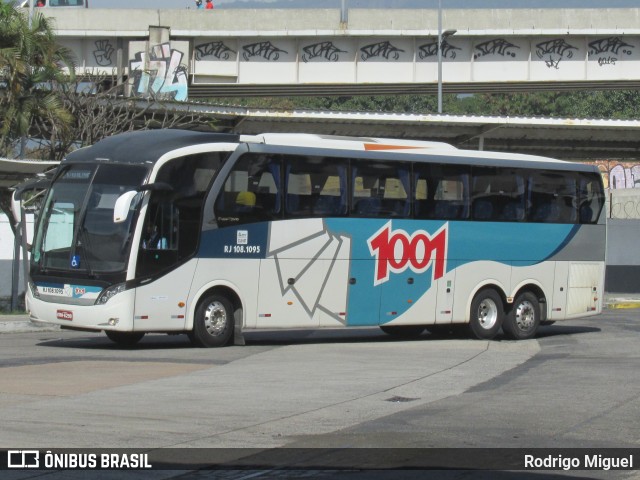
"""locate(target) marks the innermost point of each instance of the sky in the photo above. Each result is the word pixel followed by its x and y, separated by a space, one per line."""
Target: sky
pixel 369 3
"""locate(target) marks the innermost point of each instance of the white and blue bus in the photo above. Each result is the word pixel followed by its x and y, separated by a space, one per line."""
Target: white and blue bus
pixel 214 234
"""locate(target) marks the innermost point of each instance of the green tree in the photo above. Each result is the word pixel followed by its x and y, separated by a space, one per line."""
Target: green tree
pixel 31 67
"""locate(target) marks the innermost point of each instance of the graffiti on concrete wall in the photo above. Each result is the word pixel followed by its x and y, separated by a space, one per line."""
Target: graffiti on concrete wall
pixel 161 75
pixel 322 50
pixel 496 47
pixel 214 49
pixel 608 50
pixel 622 176
pixel 554 51
pixel 103 52
pixel 349 58
pixel 266 50
pixel 384 50
pixel 431 50
pixel 622 180
pixel 618 175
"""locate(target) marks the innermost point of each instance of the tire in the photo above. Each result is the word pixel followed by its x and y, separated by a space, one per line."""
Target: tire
pixel 125 339
pixel 407 331
pixel 487 314
pixel 213 323
pixel 523 319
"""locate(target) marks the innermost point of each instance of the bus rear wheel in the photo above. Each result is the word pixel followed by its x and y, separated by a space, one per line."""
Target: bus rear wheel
pixel 407 331
pixel 126 339
pixel 487 314
pixel 524 317
pixel 213 322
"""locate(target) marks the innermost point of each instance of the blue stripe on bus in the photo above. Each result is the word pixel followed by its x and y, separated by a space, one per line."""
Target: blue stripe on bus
pixel 513 244
pixel 507 243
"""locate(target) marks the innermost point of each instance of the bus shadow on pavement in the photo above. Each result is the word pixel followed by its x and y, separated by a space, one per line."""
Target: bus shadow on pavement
pixel 101 342
pixel 558 329
pixel 275 338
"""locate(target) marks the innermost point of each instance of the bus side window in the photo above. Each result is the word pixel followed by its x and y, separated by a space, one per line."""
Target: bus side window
pixel 498 194
pixel 591 198
pixel 441 192
pixel 380 189
pixel 252 191
pixel 315 187
pixel 173 218
pixel 553 198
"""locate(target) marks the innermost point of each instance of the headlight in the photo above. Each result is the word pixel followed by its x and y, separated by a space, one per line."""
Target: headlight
pixel 108 293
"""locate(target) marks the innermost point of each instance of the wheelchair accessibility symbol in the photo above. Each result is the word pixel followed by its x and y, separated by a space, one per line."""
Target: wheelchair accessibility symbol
pixel 75 261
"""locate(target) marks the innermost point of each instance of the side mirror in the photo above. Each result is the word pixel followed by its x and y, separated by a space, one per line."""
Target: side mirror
pixel 122 206
pixel 123 203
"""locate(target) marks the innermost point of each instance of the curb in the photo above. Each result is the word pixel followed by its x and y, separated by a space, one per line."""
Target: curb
pixel 25 327
pixel 620 305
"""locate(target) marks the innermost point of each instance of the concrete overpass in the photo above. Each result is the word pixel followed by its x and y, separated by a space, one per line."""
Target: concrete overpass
pixel 181 54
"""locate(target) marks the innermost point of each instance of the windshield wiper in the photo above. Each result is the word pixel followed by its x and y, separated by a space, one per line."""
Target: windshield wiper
pixel 81 242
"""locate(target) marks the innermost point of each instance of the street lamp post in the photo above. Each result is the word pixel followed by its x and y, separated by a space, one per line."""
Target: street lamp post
pixel 441 37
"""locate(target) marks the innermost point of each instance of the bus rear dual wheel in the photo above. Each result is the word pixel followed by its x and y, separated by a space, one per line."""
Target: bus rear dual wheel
pixel 213 323
pixel 523 320
pixel 519 323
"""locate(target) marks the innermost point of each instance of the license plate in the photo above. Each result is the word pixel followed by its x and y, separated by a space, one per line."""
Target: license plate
pixel 64 315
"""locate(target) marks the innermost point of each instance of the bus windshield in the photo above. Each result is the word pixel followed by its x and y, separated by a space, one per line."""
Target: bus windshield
pixel 77 231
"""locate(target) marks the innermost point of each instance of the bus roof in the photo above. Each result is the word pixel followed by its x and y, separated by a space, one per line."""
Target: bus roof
pixel 147 147
pixel 347 143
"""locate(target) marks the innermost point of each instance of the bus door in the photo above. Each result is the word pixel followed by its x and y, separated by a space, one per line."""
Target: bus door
pixel 558 307
pixel 164 284
pixel 445 287
pixel 171 227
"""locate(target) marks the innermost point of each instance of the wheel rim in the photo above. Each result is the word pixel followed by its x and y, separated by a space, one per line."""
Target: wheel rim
pixel 487 313
pixel 525 315
pixel 215 319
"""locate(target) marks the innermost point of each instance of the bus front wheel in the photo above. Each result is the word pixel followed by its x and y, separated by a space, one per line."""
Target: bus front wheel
pixel 213 322
pixel 524 317
pixel 487 314
pixel 125 339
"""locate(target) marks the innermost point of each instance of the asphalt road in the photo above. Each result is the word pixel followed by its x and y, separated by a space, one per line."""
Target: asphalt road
pixel 576 386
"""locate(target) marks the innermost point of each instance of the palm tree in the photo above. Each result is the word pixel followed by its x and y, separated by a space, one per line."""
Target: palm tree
pixel 31 68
